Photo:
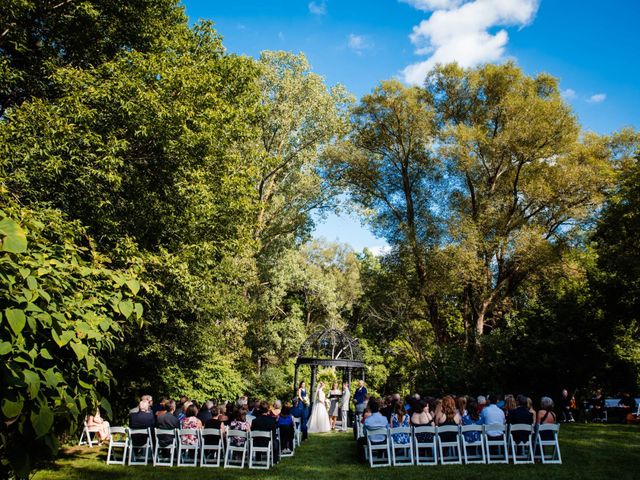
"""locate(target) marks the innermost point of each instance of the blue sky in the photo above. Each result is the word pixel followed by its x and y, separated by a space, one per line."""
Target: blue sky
pixel 591 46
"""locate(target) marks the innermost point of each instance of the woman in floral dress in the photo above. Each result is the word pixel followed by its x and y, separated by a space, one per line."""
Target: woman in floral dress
pixel 190 421
pixel 400 418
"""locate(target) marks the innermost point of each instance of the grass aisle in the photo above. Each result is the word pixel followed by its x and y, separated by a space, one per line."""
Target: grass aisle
pixel 588 452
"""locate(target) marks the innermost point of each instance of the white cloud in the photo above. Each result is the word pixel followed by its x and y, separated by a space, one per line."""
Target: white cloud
pixel 568 94
pixel 430 5
pixel 358 43
pixel 597 98
pixel 318 8
pixel 459 31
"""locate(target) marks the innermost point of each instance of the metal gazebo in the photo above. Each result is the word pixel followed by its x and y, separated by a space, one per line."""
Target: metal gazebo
pixel 329 347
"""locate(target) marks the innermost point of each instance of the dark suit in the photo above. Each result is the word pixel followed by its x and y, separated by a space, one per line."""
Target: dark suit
pixel 166 421
pixel 520 415
pixel 265 423
pixel 139 420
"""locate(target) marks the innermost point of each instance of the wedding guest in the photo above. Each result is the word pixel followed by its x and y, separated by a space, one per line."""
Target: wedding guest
pixel 285 424
pixel 182 414
pixel 509 404
pixel 472 418
pixel 375 420
pixel 546 415
pixel 239 422
pixel 421 417
pixel 492 414
pixel 598 406
pixel 520 415
pixel 400 418
pixel 482 402
pixel 461 404
pixel 205 412
pixel 263 422
pixel 161 408
pixel 229 414
pixel 146 398
pixel 276 409
pixel 191 421
pixel 530 407
pixel 168 421
pixel 142 419
pixel 100 426
pixel 438 415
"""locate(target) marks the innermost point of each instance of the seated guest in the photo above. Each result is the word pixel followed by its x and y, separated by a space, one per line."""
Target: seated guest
pixel 276 409
pixel 285 424
pixel 546 415
pixel 146 398
pixel 400 418
pixel 100 426
pixel 168 421
pixel 421 417
pixel 509 404
pixel 531 409
pixel 461 405
pixel 520 415
pixel 264 422
pixel 161 407
pixel 438 416
pixel 214 422
pixel 142 419
pixel 374 421
pixel 239 422
pixel 190 421
pixel 451 418
pixel 205 414
pixel 492 414
pixel 482 402
pixel 472 418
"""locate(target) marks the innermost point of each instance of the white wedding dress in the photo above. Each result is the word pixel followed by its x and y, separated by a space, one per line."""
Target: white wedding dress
pixel 319 420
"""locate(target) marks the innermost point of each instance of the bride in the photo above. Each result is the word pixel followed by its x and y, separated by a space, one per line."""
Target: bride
pixel 319 421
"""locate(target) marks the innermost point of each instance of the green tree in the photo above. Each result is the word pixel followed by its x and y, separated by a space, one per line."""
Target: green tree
pixel 62 309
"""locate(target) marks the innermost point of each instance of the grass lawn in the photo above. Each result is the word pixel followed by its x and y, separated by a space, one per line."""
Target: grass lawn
pixel 588 452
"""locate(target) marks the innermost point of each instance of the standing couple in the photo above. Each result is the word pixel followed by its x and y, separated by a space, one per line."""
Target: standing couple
pixel 319 422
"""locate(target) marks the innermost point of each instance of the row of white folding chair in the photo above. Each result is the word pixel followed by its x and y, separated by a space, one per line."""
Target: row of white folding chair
pixel 86 434
pixel 471 444
pixel 248 447
pixel 165 445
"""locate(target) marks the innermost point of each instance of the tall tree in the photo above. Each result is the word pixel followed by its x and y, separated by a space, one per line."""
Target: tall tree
pixel 389 169
pixel 522 179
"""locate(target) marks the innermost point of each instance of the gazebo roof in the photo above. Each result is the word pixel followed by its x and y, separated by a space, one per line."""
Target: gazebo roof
pixel 330 347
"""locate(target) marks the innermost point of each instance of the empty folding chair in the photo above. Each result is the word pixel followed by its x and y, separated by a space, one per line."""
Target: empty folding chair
pixel 85 435
pixel 297 437
pixel 211 447
pixel 260 449
pixel 140 446
pixel 547 436
pixel 118 439
pixel 378 447
pixel 495 443
pixel 425 445
pixel 237 443
pixel 165 448
pixel 188 447
pixel 401 446
pixel 449 444
pixel 520 443
pixel 473 444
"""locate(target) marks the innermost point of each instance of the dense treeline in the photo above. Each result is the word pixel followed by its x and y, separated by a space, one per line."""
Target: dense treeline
pixel 158 195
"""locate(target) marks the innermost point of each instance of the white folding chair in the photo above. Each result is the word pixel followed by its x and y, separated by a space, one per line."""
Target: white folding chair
pixel 297 435
pixel 211 447
pixel 425 445
pixel 229 459
pixel 185 448
pixel 472 444
pixel 520 442
pixel 85 435
pixel 382 447
pixel 449 444
pixel 118 438
pixel 405 449
pixel 140 446
pixel 292 452
pixel 541 443
pixel 260 451
pixel 165 442
pixel 496 444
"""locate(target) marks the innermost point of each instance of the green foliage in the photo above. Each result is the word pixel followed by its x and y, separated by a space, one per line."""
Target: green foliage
pixel 62 309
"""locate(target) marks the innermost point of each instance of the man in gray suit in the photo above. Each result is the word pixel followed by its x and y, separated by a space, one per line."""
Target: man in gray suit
pixel 344 406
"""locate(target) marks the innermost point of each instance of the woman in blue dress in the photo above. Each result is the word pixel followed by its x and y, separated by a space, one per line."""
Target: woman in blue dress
pixel 400 418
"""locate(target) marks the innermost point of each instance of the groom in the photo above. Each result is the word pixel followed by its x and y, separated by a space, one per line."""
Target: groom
pixel 344 406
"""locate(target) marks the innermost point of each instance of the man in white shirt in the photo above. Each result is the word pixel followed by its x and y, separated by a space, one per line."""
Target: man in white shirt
pixel 492 414
pixel 375 420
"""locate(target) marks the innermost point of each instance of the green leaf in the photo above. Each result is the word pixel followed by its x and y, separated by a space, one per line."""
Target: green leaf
pixel 32 283
pixel 44 353
pixel 5 347
pixel 16 319
pixel 11 409
pixel 42 421
pixel 106 406
pixel 80 349
pixel 14 239
pixel 63 339
pixel 133 285
pixel 52 378
pixel 126 308
pixel 33 382
pixel 139 309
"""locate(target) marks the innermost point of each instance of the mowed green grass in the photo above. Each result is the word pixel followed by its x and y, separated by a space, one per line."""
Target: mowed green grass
pixel 588 452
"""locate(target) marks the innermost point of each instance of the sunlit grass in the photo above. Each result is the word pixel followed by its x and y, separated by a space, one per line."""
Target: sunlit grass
pixel 588 452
